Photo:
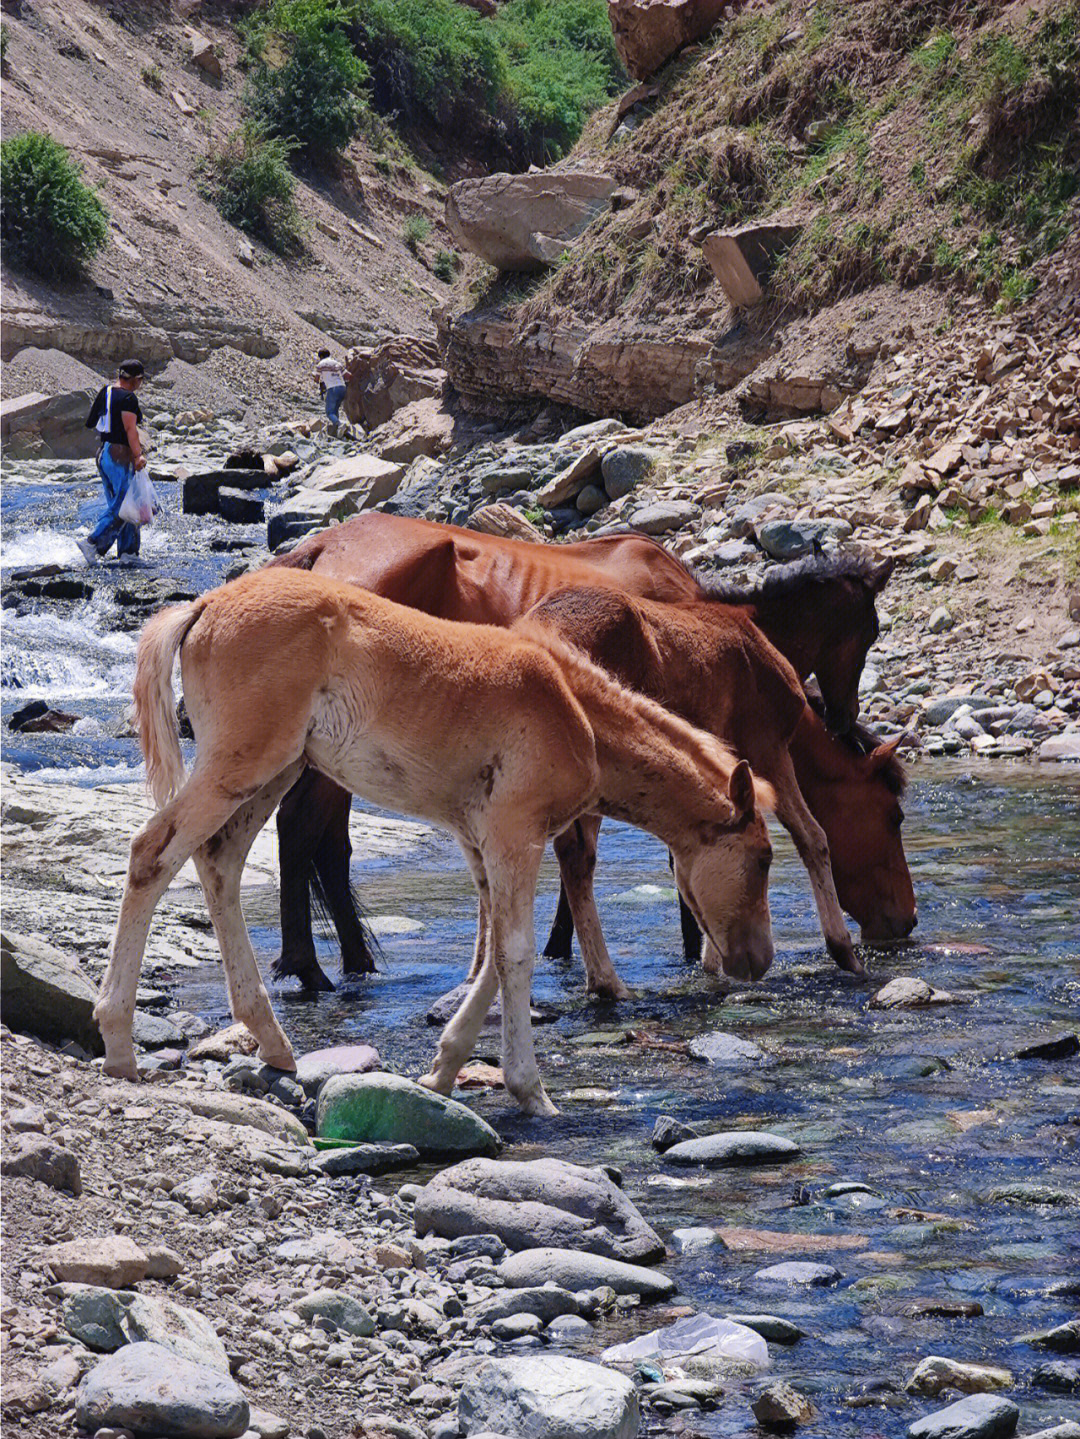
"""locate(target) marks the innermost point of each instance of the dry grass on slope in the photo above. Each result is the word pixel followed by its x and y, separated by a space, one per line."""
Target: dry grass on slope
pixel 915 139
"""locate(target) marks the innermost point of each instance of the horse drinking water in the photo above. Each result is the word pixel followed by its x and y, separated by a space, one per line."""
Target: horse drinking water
pixel 501 738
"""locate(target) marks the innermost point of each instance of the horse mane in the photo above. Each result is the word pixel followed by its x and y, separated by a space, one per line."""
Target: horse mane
pixel 704 749
pixel 861 740
pixel 779 581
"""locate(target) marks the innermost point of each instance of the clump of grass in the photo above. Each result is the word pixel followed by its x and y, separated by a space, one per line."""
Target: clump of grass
pixel 446 265
pixel 415 231
pixel 152 77
pixel 247 176
pixel 51 223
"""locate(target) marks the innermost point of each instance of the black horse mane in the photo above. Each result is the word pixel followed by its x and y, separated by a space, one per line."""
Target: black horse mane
pixel 862 740
pixel 781 580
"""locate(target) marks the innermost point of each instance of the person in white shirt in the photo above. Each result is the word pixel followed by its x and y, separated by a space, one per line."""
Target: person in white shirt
pixel 331 379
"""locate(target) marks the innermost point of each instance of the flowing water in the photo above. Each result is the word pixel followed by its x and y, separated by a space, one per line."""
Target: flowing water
pixel 925 1109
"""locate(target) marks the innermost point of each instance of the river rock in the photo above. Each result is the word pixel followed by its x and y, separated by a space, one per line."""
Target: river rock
pixel 526 221
pixel 1064 1338
pixel 668 1132
pixel 1050 1046
pixel 934 1373
pixel 146 1388
pixel 1060 1375
pixel 727 1051
pixel 181 1331
pixel 791 539
pixel 224 1043
pixel 549 1398
pixel 324 1246
pixel 111 1260
pixel 907 992
pixel 347 1313
pixel 241 1109
pixel 781 1407
pixel 662 516
pixel 95 1316
pixel 625 467
pixel 366 1159
pixel 538 1203
pixel 385 1108
pixel 799 1271
pixel 318 1065
pixel 980 1416
pixel 769 1326
pixel 571 1269
pixel 43 992
pixel 33 1156
pixel 734 1146
pixel 547 1302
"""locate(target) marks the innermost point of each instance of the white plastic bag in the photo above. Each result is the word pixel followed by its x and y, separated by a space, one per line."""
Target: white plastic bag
pixel 698 1343
pixel 139 505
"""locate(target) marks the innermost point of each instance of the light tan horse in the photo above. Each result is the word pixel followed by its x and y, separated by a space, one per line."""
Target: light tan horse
pixel 502 738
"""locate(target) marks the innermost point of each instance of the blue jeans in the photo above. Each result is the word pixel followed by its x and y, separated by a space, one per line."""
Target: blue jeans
pixel 334 396
pixel 115 479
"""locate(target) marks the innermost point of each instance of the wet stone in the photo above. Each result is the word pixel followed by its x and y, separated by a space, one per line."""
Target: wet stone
pixel 736 1146
pixel 770 1326
pixel 980 1416
pixel 1054 1046
pixel 935 1373
pixel 1060 1375
pixel 799 1271
pixel 727 1051
pixel 1064 1339
pixel 668 1131
pixel 781 1408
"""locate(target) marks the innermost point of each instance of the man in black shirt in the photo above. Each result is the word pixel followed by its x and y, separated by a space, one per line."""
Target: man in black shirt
pixel 115 414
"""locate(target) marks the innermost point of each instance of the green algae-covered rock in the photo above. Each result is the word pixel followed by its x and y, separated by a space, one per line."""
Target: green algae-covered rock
pixel 386 1109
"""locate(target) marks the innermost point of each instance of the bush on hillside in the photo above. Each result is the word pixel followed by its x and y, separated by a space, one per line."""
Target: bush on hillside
pixel 248 178
pixel 50 221
pixel 313 98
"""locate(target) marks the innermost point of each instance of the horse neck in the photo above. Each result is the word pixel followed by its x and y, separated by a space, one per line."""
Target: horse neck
pixel 656 771
pixel 817 755
pixel 791 627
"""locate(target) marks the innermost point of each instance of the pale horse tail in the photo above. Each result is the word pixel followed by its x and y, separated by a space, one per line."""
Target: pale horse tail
pixel 155 703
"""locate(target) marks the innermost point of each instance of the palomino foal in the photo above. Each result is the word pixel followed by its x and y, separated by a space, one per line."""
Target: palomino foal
pixel 501 738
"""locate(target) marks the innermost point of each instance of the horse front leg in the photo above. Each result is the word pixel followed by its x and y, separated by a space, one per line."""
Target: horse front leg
pixel 458 1038
pixel 158 853
pixel 220 862
pixel 512 879
pixel 575 849
pixel 813 848
pixel 301 824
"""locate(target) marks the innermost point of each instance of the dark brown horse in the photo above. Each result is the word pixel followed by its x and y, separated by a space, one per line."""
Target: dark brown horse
pixel 724 680
pixel 811 608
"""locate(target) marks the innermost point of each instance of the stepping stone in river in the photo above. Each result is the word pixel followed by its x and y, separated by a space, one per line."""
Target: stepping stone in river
pixel 573 1270
pixel 979 1416
pixel 735 1146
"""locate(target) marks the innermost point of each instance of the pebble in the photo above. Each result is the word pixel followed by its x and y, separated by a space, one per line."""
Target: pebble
pixel 727 1051
pixel 781 1407
pixel 668 1131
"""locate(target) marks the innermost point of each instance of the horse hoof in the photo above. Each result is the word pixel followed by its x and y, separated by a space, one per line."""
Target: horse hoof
pixel 278 1059
pixel 121 1069
pixel 844 955
pixel 311 977
pixel 537 1104
pixel 614 991
pixel 434 1083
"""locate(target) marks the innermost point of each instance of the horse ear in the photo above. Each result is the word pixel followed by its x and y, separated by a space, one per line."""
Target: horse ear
pixel 879 577
pixel 885 751
pixel 741 788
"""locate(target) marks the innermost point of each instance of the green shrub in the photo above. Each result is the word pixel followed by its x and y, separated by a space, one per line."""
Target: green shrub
pixel 248 178
pixel 3 44
pixel 415 231
pixel 445 265
pixel 312 99
pixel 152 77
pixel 50 221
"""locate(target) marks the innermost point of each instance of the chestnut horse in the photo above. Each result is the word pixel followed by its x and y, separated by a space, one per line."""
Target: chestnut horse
pixel 724 683
pixel 502 738
pixel 819 611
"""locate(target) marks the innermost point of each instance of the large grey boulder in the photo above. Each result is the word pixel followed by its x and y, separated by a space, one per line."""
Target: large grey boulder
pixel 537 1203
pixel 574 1270
pixel 153 1391
pixel 42 991
pixel 979 1416
pixel 33 1156
pixel 663 515
pixel 549 1398
pixel 524 222
pixel 107 1319
pixel 625 467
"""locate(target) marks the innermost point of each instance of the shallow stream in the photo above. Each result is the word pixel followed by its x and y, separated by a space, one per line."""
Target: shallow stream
pixel 925 1108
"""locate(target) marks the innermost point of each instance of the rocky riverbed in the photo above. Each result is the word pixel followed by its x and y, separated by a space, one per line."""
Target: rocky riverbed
pixel 898 1228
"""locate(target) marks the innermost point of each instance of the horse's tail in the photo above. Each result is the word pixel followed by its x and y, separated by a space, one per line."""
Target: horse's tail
pixel 155 703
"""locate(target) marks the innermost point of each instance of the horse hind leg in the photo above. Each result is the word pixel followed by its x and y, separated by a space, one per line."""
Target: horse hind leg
pixel 301 825
pixel 575 849
pixel 332 878
pixel 560 942
pixel 220 862
pixel 158 853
